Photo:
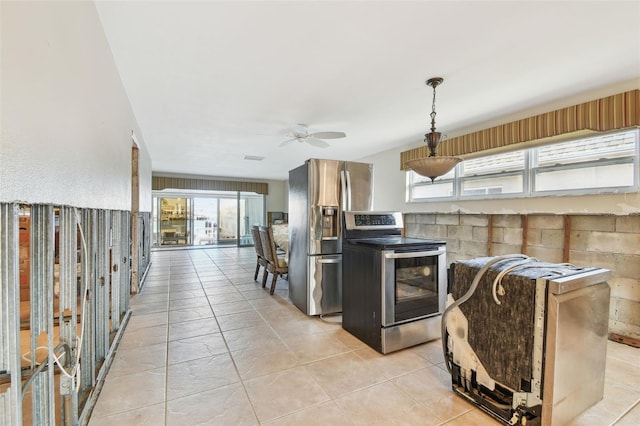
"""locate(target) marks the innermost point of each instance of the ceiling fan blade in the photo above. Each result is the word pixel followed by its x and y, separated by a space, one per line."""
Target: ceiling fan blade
pixel 287 142
pixel 328 135
pixel 317 142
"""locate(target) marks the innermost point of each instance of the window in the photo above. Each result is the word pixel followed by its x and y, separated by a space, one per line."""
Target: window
pixel 606 163
pixel 586 164
pixel 422 187
pixel 493 175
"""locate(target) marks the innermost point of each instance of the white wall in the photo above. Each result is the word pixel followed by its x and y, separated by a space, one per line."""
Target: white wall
pixel 66 120
pixel 390 181
pixel 278 198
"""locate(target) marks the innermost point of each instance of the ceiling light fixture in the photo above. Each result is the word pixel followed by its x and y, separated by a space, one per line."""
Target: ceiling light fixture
pixel 433 166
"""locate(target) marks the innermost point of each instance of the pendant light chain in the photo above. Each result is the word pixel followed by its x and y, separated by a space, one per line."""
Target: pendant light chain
pixel 433 110
pixel 433 165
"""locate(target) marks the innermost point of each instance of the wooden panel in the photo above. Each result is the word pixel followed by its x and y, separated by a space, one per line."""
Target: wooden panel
pixel 490 235
pixel 525 231
pixel 567 240
pixel 625 340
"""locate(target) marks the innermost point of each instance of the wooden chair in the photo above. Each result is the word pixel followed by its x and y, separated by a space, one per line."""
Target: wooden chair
pixel 275 264
pixel 261 260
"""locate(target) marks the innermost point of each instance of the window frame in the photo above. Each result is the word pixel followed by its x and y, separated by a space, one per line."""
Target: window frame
pixel 529 173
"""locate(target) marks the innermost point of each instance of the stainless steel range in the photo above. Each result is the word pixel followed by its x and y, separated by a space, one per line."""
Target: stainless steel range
pixel 394 287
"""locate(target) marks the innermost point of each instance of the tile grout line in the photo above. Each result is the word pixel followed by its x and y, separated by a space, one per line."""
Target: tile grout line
pixel 166 360
pixel 330 399
pixel 627 411
pixel 281 371
pixel 304 365
pixel 224 339
pixel 352 350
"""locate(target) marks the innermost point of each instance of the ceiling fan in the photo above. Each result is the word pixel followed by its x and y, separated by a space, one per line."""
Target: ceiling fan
pixel 301 134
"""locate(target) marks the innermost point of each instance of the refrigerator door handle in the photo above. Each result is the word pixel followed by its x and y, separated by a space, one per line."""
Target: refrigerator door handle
pixel 343 184
pixel 348 190
pixel 329 260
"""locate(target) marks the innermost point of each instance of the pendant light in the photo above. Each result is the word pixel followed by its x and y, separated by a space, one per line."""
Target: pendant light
pixel 433 166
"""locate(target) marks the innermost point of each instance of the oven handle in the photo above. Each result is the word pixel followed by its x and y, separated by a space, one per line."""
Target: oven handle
pixel 408 254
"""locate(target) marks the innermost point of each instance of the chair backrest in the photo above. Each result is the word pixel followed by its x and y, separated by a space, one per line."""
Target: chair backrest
pixel 268 245
pixel 257 243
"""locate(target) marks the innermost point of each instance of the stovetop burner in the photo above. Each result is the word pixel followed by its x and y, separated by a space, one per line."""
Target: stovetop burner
pixel 396 241
pixel 381 229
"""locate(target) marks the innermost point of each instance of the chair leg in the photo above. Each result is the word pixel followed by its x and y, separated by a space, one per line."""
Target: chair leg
pixel 273 283
pixel 255 276
pixel 264 277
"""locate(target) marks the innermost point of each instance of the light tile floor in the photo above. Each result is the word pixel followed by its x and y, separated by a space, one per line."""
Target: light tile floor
pixel 206 345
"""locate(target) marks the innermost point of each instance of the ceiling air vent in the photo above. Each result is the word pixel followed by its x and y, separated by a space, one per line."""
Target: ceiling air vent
pixel 253 157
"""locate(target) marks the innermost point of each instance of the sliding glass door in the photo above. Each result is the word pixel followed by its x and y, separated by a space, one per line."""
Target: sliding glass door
pixel 173 221
pixel 228 221
pixel 211 218
pixel 251 212
pixel 205 221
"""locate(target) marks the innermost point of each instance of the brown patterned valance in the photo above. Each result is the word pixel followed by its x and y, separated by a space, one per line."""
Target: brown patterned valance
pixel 166 182
pixel 613 112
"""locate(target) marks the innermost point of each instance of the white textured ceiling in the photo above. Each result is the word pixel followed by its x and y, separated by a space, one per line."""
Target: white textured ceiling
pixel 211 82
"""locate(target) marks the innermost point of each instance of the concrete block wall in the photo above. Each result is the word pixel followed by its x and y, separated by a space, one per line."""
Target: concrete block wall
pixel 612 242
pixel 507 234
pixel 606 241
pixel 545 237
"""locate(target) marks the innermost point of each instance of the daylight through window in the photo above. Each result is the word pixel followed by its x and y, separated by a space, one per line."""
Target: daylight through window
pixel 605 163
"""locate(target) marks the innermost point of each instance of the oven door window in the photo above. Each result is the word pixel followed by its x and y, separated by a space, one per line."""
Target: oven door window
pixel 416 285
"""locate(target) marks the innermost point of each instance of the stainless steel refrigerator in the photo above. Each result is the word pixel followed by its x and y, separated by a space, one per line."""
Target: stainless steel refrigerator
pixel 319 191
